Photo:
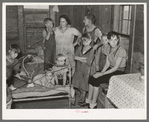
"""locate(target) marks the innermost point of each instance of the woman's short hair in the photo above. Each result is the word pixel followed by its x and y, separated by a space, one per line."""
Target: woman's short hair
pixel 91 17
pixel 113 34
pixel 66 18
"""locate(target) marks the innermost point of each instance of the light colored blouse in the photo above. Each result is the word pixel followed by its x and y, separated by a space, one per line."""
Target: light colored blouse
pixel 67 37
pixel 113 55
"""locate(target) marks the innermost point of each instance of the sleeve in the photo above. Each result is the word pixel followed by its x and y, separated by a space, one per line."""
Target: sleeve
pixel 98 33
pixel 121 53
pixel 90 58
pixel 76 32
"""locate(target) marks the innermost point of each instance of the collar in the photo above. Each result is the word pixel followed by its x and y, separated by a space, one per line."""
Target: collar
pixel 114 49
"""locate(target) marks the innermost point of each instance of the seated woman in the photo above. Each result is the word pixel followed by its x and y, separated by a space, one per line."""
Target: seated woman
pixel 115 65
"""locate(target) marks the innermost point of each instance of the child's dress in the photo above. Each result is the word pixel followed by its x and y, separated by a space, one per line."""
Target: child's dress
pixel 81 75
pixel 94 65
pixel 59 72
pixel 50 51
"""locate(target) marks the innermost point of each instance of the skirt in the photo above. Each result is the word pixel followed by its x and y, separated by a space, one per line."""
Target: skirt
pixel 103 79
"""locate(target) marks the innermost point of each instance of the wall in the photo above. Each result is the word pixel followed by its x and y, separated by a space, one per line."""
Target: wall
pixel 11 25
pixel 18 21
pixel 76 14
pixel 138 54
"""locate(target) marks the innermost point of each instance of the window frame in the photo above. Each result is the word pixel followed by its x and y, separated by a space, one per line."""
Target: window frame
pixel 120 20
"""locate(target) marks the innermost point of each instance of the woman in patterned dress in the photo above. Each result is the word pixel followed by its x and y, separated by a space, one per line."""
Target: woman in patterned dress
pixel 64 36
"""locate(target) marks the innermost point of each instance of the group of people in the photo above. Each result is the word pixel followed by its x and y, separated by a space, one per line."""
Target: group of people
pixel 97 57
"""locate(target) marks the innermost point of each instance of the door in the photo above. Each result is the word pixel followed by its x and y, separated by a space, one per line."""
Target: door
pixel 34 26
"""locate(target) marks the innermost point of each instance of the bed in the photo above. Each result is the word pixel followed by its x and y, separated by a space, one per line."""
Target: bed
pixel 39 92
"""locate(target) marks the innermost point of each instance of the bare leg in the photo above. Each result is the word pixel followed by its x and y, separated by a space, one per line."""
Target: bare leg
pixel 90 93
pixel 95 95
pixel 83 95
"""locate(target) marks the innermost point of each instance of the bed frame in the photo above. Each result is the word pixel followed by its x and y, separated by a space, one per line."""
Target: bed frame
pixel 45 98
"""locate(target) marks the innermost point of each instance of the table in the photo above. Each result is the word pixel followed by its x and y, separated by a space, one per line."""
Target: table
pixel 127 91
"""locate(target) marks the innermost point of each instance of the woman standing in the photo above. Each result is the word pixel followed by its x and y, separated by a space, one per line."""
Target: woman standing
pixel 64 36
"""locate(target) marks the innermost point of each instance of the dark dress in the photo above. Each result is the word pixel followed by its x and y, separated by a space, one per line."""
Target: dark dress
pixel 95 62
pixel 49 52
pixel 81 75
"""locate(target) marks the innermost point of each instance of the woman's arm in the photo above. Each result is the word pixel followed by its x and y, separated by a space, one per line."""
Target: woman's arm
pixel 118 62
pixel 115 68
pixel 78 34
pixel 82 59
pixel 77 42
pixel 107 64
pixel 98 34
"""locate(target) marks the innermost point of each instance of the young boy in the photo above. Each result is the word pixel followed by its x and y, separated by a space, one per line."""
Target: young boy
pixel 11 60
pixel 49 44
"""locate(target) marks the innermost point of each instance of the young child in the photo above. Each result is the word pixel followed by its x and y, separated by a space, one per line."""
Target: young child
pixel 84 56
pixel 89 22
pixel 115 65
pixel 60 70
pixel 11 60
pixel 46 80
pixel 49 44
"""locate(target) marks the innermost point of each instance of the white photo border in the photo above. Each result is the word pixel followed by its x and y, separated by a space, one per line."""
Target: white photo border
pixel 71 114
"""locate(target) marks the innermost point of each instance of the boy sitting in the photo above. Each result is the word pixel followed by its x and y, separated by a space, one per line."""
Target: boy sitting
pixel 11 61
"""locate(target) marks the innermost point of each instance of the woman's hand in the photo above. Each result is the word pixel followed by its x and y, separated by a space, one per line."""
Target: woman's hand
pixel 98 74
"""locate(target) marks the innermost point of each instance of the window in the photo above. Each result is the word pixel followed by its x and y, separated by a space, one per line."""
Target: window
pixel 36 7
pixel 122 19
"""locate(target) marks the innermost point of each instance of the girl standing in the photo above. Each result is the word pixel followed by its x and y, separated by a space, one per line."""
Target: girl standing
pixel 84 55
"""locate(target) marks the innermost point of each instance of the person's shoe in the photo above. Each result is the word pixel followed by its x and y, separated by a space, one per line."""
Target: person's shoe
pixel 84 104
pixel 73 101
pixel 91 106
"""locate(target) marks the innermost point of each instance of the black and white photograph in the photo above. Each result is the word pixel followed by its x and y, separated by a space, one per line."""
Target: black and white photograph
pixel 74 60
